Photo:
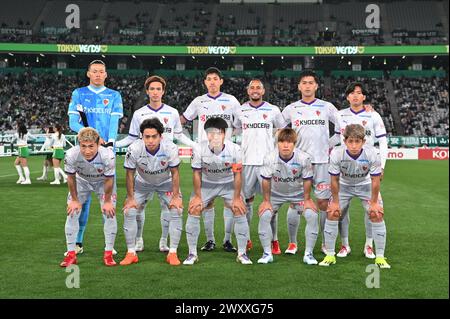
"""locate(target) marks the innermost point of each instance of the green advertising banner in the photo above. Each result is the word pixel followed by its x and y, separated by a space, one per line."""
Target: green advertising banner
pixel 417 141
pixel 8 147
pixel 222 50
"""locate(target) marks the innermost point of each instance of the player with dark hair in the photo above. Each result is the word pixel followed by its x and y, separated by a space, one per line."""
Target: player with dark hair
pixel 213 104
pixel 310 118
pixel 155 86
pixel 217 169
pixel 375 130
pixel 156 162
pixel 257 120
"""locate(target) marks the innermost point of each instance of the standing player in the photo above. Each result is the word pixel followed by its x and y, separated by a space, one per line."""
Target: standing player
pixel 257 120
pixel 213 104
pixel 98 107
pixel 48 158
pixel 91 168
pixel 286 178
pixel 155 87
pixel 310 119
pixel 58 143
pixel 21 138
pixel 374 128
pixel 217 169
pixel 360 170
pixel 156 161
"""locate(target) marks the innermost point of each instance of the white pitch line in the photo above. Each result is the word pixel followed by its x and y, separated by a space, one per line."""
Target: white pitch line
pixel 17 174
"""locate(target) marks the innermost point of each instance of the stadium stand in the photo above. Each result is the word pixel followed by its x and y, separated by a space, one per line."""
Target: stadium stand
pixel 422 102
pixel 183 23
pixel 296 24
pixel 19 100
pixel 423 105
pixel 243 25
pixel 194 23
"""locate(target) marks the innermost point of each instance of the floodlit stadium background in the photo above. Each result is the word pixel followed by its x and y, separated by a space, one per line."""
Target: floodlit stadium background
pixel 399 49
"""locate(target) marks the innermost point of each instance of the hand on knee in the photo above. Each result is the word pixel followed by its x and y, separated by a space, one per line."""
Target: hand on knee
pixel 376 216
pixel 197 211
pixel 333 216
pixel 376 212
pixel 333 211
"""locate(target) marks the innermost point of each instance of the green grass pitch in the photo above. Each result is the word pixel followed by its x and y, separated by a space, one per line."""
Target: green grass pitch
pixel 415 196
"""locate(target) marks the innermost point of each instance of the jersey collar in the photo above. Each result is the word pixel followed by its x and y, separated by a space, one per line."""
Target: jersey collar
pixel 308 103
pixel 356 113
pixel 214 97
pixel 159 108
pixel 212 151
pixel 92 158
pixel 354 157
pixel 96 90
pixel 257 106
pixel 153 153
pixel 286 161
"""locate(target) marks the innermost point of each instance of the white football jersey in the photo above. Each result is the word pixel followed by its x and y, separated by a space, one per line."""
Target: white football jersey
pixel 311 122
pixel 287 176
pixel 257 124
pixel 206 106
pixel 355 171
pixel 371 121
pixel 216 168
pixel 101 166
pixel 152 168
pixel 167 115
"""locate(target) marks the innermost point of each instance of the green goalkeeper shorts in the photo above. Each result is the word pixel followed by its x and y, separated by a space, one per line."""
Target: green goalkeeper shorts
pixel 24 151
pixel 58 153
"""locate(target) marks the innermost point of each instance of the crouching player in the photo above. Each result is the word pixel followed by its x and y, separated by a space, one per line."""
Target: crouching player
pixel 217 169
pixel 156 162
pixel 287 178
pixel 355 163
pixel 90 168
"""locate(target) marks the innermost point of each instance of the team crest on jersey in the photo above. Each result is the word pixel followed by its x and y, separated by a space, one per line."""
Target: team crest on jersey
pixel 364 122
pixel 166 120
pixel 264 116
pixel 105 102
pixel 294 171
pixel 99 170
pixel 318 113
pixel 203 118
pixel 364 168
pixel 163 163
pixel 224 107
pixel 227 164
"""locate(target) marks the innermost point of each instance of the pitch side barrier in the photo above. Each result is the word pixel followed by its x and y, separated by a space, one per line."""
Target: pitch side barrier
pixel 400 147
